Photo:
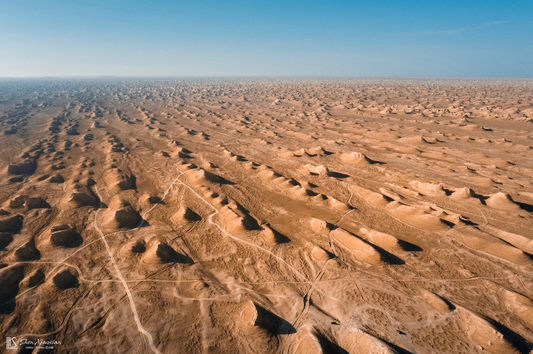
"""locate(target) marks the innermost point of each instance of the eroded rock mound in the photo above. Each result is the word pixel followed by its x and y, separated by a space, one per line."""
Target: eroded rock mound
pixel 11 223
pixel 26 167
pixel 65 236
pixel 64 279
pixel 36 203
pixel 56 179
pixel 36 278
pixel 5 239
pixel 503 201
pixel 185 215
pixel 121 215
pixel 27 252
pixel 160 252
pixel 83 196
pixel 150 199
pixel 10 278
pixel 133 248
pixel 118 181
pixel 355 158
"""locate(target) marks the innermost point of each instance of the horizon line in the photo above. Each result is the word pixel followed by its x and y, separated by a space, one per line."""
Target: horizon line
pixel 258 76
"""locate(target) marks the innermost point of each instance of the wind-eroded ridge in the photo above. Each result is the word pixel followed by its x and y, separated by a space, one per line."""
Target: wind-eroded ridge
pixel 273 216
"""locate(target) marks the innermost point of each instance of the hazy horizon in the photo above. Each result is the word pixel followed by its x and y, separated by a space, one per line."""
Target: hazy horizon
pixel 271 77
pixel 414 39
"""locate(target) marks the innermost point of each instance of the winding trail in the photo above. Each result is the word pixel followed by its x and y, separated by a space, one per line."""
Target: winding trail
pixel 210 221
pixel 307 302
pixel 123 281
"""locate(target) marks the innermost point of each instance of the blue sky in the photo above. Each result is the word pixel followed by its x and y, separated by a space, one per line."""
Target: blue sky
pixel 266 38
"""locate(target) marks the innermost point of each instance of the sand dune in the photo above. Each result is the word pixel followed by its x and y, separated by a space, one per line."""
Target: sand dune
pixel 121 215
pixel 267 216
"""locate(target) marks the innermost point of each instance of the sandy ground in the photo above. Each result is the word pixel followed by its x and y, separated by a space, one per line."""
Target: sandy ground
pixel 273 216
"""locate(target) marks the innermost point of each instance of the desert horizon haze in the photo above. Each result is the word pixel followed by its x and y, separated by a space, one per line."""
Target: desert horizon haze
pixel 303 177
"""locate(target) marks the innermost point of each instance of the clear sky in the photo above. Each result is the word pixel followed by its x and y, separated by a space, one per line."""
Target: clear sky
pixel 376 38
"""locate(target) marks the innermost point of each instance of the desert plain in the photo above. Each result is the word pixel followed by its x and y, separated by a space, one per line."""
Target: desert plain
pixel 267 215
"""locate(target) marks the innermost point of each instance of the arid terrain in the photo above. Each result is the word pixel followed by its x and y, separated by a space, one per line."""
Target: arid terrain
pixel 267 216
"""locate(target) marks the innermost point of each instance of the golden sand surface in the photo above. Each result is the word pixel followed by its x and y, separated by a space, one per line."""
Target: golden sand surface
pixel 267 215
